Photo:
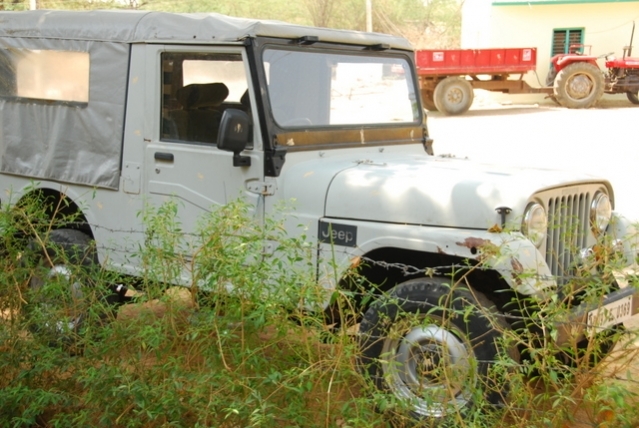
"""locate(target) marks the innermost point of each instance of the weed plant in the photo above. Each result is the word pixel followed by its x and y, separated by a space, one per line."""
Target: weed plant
pixel 245 344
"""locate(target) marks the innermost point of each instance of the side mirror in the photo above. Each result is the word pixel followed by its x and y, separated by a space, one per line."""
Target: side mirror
pixel 233 135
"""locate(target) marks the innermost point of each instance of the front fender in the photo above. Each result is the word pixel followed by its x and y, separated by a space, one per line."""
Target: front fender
pixel 512 255
pixel 564 62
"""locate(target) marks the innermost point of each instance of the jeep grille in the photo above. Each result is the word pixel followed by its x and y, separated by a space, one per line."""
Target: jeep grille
pixel 568 232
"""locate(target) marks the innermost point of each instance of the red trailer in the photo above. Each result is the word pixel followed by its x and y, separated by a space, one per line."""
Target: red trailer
pixel 447 77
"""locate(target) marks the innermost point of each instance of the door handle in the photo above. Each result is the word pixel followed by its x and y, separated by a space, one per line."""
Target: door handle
pixel 162 156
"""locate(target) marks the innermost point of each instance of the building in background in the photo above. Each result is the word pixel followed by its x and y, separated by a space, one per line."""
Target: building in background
pixel 551 26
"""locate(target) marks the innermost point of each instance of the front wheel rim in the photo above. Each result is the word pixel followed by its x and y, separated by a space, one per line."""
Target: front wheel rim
pixel 431 367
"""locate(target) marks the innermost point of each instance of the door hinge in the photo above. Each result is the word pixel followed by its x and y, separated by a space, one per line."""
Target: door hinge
pixel 261 188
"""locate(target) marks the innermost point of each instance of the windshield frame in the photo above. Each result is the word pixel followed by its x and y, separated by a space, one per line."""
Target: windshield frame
pixel 342 135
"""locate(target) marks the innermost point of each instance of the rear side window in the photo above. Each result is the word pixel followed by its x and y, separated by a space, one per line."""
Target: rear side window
pixel 45 75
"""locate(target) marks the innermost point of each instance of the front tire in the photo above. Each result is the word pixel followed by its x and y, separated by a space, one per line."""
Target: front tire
pixel 424 346
pixel 453 95
pixel 579 85
pixel 633 97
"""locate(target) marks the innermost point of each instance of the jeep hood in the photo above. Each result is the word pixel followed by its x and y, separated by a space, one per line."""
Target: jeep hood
pixel 433 191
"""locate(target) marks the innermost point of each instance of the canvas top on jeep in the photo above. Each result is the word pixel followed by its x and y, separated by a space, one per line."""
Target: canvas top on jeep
pixel 157 27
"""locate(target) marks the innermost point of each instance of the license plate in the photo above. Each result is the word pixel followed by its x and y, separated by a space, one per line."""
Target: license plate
pixel 610 314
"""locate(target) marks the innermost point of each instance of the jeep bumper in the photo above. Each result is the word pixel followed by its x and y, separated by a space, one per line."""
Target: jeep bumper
pixel 587 319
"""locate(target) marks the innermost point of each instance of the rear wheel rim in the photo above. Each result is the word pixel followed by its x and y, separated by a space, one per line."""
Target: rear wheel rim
pixel 579 86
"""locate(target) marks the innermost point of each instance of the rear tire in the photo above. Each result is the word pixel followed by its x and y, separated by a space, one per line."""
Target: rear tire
pixel 633 97
pixel 579 85
pixel 453 95
pixel 61 288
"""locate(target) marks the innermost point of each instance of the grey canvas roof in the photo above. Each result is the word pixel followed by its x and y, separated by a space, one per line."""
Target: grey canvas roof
pixel 145 26
pixel 60 142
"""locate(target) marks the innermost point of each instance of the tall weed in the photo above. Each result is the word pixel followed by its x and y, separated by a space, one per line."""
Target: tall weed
pixel 225 328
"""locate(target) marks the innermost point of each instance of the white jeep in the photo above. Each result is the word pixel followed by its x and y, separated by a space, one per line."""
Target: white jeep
pixel 110 111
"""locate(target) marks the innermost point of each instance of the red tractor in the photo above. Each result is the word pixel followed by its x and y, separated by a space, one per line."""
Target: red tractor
pixel 578 82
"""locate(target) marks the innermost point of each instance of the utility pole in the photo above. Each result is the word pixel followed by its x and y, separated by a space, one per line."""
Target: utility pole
pixel 369 15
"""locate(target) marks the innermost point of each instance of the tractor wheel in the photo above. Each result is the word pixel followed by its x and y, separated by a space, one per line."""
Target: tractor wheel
pixel 428 101
pixel 579 85
pixel 453 95
pixel 633 97
pixel 552 73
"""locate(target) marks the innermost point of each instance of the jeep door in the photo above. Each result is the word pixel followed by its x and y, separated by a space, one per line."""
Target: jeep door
pixel 196 85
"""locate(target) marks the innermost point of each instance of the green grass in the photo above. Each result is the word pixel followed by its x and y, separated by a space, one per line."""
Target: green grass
pixel 252 355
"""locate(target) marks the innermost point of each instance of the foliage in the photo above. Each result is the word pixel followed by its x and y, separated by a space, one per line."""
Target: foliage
pixel 245 344
pixel 237 348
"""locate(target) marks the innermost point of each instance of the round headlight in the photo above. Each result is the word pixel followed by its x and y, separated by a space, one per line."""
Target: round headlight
pixel 600 212
pixel 535 223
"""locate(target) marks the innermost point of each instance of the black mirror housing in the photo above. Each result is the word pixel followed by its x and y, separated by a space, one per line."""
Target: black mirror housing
pixel 233 135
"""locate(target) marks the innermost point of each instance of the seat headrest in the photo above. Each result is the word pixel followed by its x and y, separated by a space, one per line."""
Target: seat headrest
pixel 245 100
pixel 202 95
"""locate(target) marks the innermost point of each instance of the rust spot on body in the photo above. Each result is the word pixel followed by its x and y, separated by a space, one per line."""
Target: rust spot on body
pixel 517 266
pixel 518 269
pixel 473 242
pixel 495 228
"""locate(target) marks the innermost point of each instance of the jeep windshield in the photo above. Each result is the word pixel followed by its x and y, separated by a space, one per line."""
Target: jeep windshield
pixel 329 91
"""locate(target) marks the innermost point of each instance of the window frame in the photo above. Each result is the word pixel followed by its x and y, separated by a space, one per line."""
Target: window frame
pixel 348 136
pixel 193 50
pixel 567 32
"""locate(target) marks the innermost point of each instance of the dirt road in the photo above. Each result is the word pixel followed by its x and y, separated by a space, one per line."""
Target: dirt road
pixel 602 141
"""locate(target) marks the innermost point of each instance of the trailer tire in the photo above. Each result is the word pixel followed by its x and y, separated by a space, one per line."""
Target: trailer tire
pixel 633 97
pixel 453 95
pixel 428 100
pixel 579 85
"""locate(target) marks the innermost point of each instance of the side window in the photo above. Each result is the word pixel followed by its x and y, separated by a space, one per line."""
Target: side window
pixel 566 41
pixel 196 89
pixel 45 75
